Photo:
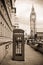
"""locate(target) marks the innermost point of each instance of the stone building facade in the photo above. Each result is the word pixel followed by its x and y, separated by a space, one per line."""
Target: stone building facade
pixel 40 35
pixel 6 29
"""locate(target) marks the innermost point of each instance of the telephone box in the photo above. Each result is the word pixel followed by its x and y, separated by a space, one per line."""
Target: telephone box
pixel 18 44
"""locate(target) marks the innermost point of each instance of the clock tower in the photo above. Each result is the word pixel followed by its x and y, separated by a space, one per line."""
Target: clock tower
pixel 32 23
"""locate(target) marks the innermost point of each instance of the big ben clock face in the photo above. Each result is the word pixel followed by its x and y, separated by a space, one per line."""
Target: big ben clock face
pixel 33 16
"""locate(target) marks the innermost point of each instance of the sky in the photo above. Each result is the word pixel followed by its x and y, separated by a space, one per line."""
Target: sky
pixel 23 10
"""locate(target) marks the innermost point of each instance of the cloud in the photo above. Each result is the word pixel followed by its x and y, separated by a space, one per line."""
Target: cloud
pixel 23 10
pixel 38 1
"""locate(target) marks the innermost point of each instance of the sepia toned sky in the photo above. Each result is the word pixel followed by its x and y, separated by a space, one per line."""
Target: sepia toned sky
pixel 23 10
